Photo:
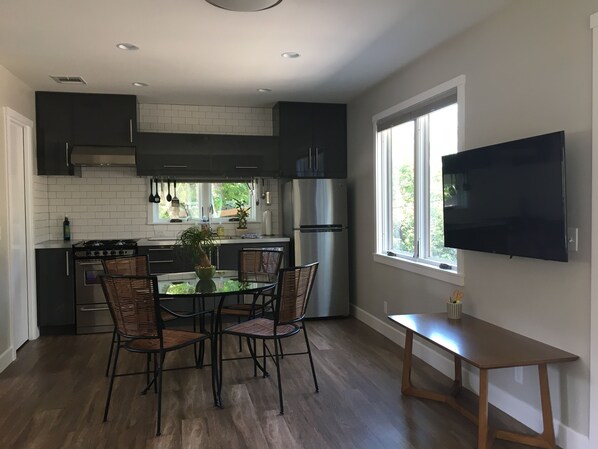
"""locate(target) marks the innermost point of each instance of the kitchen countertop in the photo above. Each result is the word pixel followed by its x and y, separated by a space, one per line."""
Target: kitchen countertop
pixel 56 244
pixel 67 244
pixel 223 240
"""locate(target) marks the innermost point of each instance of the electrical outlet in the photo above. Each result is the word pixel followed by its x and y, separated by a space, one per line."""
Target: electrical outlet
pixel 385 308
pixel 519 374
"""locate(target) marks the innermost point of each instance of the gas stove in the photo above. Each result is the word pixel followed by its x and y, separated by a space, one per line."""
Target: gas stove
pixel 93 249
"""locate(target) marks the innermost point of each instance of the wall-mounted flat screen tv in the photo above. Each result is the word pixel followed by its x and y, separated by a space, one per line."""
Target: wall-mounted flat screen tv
pixel 508 198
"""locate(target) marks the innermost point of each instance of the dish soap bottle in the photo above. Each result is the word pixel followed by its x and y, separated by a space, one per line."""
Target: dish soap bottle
pixel 66 229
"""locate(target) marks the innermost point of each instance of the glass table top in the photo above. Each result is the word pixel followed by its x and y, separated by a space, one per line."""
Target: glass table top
pixel 224 282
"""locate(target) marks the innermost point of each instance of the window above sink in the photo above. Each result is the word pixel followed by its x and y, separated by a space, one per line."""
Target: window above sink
pixel 212 202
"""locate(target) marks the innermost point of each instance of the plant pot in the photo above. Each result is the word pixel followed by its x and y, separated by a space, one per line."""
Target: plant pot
pixel 241 231
pixel 205 273
pixel 453 310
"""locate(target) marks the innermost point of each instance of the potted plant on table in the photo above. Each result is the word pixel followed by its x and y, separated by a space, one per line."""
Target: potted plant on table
pixel 196 243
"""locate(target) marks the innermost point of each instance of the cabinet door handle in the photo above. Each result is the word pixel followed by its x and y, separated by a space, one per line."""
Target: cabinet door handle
pixel 93 309
pixel 161 261
pixel 217 257
pixel 131 130
pixel 68 270
pixel 246 167
pixel 309 158
pixel 170 248
pixel 174 166
pixel 66 154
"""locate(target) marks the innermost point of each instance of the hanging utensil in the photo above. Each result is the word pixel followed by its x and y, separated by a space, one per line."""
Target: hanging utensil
pixel 175 200
pixel 169 196
pixel 263 190
pixel 151 196
pixel 157 196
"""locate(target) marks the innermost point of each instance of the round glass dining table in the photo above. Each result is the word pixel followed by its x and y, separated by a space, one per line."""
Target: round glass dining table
pixel 224 283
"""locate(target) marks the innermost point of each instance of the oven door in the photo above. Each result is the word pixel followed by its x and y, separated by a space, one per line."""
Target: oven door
pixel 88 289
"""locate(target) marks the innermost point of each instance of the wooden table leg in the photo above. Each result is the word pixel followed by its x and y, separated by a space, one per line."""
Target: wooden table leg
pixel 407 354
pixel 483 411
pixel 548 432
pixel 458 383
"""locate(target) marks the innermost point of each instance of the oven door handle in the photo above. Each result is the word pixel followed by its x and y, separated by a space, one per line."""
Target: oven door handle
pixel 93 309
pixel 81 264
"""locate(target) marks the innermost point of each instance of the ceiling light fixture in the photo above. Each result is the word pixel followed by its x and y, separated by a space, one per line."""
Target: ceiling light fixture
pixel 127 46
pixel 139 84
pixel 244 5
pixel 263 90
pixel 290 54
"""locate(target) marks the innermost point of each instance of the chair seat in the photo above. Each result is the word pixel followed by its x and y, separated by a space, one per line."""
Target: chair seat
pixel 241 309
pixel 261 327
pixel 173 339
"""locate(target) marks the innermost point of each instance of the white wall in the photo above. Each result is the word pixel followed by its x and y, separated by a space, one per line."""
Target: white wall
pixel 17 96
pixel 528 72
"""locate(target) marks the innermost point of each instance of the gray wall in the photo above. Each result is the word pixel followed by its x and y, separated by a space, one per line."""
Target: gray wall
pixel 17 96
pixel 528 72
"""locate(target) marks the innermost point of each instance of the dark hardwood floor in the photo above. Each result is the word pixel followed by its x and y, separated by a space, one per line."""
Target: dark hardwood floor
pixel 53 397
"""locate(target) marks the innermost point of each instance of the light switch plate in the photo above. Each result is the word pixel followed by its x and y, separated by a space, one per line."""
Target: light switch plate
pixel 573 236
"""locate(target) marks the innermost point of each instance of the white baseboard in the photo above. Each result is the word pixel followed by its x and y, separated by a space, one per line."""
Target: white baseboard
pixel 523 412
pixel 6 358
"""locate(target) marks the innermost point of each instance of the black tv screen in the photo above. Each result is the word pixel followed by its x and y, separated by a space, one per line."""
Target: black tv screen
pixel 508 198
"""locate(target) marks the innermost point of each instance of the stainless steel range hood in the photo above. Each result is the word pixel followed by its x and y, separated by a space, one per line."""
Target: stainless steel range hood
pixel 103 156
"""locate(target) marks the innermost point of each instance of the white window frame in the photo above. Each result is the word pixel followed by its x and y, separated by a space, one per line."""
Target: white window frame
pixel 420 266
pixel 255 211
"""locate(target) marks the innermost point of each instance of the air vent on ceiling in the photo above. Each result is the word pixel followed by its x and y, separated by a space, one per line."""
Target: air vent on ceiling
pixel 68 79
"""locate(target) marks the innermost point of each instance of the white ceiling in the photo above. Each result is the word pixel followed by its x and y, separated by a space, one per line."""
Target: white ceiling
pixel 194 53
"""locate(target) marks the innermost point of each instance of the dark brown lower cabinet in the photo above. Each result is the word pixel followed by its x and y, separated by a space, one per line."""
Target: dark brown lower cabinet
pixel 55 291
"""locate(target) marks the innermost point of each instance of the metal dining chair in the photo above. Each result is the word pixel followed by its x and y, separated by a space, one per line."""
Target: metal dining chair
pixel 255 265
pixel 134 304
pixel 289 305
pixel 132 266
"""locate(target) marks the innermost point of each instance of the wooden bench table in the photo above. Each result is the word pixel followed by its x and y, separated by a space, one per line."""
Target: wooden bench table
pixel 486 347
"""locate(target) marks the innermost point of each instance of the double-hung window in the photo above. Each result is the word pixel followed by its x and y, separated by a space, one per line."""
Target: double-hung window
pixel 411 139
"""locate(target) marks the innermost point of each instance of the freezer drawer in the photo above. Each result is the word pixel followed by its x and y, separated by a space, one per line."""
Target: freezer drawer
pixel 330 294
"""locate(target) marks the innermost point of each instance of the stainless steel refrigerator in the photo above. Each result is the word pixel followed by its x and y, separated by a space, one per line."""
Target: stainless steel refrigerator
pixel 315 218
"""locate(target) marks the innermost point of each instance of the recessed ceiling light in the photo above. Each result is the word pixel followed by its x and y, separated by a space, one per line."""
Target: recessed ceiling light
pixel 139 84
pixel 127 46
pixel 290 54
pixel 244 5
pixel 264 90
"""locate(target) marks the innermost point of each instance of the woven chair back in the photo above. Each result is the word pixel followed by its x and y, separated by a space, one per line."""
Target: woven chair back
pixel 128 266
pixel 132 301
pixel 259 265
pixel 295 286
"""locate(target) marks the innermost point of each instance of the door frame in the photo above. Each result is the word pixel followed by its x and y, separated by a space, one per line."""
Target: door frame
pixel 593 430
pixel 11 116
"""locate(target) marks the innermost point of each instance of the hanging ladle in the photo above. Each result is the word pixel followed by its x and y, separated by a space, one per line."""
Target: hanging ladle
pixel 157 196
pixel 169 196
pixel 151 196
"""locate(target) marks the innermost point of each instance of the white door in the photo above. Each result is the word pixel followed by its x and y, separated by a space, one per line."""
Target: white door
pixel 18 133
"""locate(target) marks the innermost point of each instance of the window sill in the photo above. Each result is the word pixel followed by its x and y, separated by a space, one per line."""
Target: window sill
pixel 450 276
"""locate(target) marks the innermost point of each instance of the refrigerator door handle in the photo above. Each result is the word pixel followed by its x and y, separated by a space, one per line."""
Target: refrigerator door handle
pixel 322 228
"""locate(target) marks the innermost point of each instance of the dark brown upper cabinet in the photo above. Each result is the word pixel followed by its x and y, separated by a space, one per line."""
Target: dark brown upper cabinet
pixel 107 120
pixel 312 139
pixel 208 156
pixel 64 120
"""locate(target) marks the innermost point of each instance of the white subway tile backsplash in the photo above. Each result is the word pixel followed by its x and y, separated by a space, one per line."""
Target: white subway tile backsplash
pixel 112 202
